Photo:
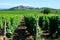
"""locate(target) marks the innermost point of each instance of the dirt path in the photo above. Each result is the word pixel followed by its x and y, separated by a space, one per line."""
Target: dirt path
pixel 21 32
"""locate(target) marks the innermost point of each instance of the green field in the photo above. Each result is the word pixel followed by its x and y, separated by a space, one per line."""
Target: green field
pixel 45 21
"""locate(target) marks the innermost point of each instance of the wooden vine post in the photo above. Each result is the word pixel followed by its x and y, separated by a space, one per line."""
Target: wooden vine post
pixel 36 28
pixel 38 34
pixel 4 29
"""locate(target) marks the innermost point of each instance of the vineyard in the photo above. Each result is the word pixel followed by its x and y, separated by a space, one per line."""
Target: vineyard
pixel 38 25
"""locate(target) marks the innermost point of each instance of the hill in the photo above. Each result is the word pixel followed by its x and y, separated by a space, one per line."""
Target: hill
pixel 24 8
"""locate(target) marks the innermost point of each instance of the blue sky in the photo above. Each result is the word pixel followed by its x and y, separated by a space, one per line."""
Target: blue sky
pixel 34 3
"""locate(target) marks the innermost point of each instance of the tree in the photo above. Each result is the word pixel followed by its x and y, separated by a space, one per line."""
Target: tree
pixel 46 10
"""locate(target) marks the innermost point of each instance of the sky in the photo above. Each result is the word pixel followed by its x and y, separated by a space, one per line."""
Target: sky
pixel 34 3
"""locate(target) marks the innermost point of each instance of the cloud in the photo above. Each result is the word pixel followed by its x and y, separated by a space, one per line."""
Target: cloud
pixel 8 4
pixel 11 4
